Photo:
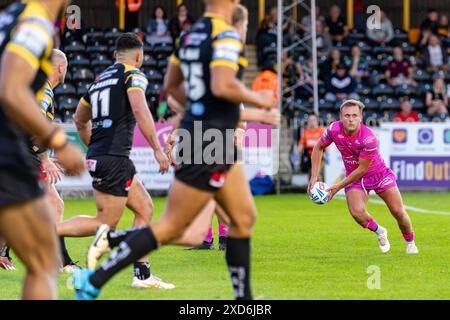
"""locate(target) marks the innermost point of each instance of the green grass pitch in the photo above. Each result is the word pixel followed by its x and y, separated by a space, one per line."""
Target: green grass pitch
pixel 300 251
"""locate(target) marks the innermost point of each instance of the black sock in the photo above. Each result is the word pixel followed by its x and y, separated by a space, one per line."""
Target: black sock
pixel 115 237
pixel 135 246
pixel 64 253
pixel 5 252
pixel 142 270
pixel 238 260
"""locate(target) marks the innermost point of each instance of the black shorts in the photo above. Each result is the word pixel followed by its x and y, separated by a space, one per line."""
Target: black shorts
pixel 111 174
pixel 204 177
pixel 19 183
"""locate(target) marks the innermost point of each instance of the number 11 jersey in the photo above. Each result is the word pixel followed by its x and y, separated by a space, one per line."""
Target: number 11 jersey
pixel 113 120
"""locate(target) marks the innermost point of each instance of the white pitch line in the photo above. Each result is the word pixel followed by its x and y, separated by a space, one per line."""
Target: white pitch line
pixel 410 208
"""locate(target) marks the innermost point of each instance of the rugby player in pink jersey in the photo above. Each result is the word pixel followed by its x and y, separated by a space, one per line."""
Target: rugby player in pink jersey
pixel 365 171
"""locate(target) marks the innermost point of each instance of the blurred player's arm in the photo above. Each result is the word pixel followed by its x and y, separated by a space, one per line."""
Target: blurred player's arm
pixel 147 125
pixel 83 121
pixel 364 164
pixel 269 116
pixel 225 85
pixel 173 82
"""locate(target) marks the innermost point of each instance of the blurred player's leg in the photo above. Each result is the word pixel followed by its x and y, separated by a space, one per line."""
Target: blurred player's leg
pixel 241 209
pixel 109 211
pixel 393 200
pixel 195 234
pixel 176 218
pixel 5 258
pixel 57 204
pixel 140 202
pixel 356 202
pixel 37 245
pixel 223 227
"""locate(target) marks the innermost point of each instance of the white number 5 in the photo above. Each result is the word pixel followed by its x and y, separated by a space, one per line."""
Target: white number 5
pixel 193 73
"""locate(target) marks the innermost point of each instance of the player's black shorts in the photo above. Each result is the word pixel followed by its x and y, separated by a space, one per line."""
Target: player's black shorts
pixel 111 174
pixel 202 176
pixel 19 183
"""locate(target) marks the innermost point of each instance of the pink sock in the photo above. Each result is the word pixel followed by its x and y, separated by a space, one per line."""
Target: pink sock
pixel 408 236
pixel 371 225
pixel 223 230
pixel 209 236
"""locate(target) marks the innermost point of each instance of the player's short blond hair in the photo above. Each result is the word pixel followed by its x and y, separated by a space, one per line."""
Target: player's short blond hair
pixel 240 15
pixel 352 102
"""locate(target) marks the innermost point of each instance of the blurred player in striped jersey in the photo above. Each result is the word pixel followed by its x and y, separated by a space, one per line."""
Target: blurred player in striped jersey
pixel 50 173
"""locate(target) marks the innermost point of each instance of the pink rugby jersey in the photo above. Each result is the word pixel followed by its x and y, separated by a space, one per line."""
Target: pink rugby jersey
pixel 364 144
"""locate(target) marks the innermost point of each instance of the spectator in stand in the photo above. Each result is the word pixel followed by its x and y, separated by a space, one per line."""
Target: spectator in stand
pixel 357 64
pixel 399 70
pixel 311 135
pixel 443 26
pixel 157 28
pixel 435 55
pixel 359 15
pixel 323 40
pixel 431 22
pixel 336 25
pixel 437 99
pixel 340 86
pixel 330 64
pixel 384 35
pixel 180 21
pixel 266 37
pixel 306 21
pixel 406 114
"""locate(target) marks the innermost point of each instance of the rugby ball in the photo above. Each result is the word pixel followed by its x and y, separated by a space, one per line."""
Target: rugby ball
pixel 318 194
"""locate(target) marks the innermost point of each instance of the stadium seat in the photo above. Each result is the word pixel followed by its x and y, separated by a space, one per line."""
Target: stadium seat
pixel 325 105
pixel 65 89
pixel 407 48
pixel 441 74
pixel 424 88
pixel 370 103
pixel 111 36
pixel 382 49
pixel 400 35
pixel 365 48
pixel 417 104
pixel 149 62
pixel 78 61
pixel 362 89
pixel 84 74
pixel 406 90
pixel 74 48
pixel 154 76
pixel 371 118
pixel 82 88
pixel 154 89
pixel 68 77
pixel 67 103
pixel 163 50
pixel 162 64
pixel 101 62
pixel 382 90
pixel 94 36
pixel 356 36
pixel 97 49
pixel 390 104
pixel 421 76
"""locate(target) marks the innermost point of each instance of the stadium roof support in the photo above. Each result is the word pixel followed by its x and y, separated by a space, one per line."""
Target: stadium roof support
pixel 286 14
